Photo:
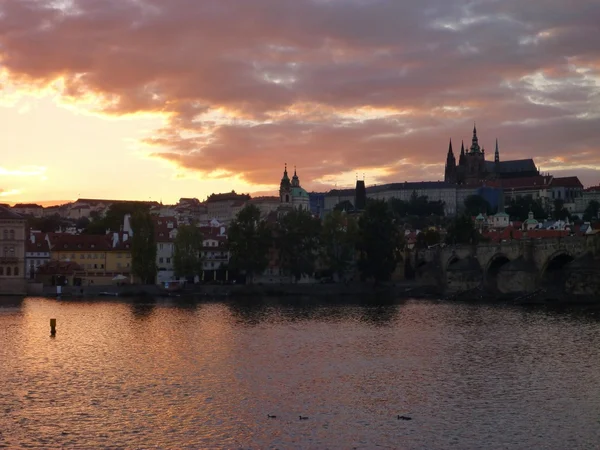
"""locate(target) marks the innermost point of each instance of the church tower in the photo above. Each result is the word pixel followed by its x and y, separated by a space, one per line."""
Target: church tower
pixel 497 153
pixel 285 187
pixel 450 172
pixel 475 149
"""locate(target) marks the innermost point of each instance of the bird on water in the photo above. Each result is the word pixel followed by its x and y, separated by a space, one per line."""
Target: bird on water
pixel 303 418
pixel 271 416
pixel 404 417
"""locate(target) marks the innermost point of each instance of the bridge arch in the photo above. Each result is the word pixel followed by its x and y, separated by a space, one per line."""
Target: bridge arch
pixel 552 272
pixel 492 268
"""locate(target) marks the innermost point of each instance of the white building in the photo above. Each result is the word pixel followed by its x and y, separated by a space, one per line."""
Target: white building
pixel 165 232
pixel 224 207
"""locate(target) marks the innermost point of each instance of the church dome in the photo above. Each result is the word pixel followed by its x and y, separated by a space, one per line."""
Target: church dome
pixel 299 192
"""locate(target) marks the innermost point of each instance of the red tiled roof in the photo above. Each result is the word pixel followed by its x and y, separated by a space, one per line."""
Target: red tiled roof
pixel 59 268
pixel 40 245
pixel 567 182
pixel 80 242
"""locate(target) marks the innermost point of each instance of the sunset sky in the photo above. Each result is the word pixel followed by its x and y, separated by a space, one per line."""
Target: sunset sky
pixel 162 99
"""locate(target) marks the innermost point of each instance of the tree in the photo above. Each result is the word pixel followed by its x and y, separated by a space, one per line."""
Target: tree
pixel 462 231
pixel 187 251
pixel 520 207
pixel 48 224
pixel 560 212
pixel 113 219
pixel 591 211
pixel 338 242
pixel 476 204
pixel 345 205
pixel 82 222
pixel 249 242
pixel 380 242
pixel 143 247
pixel 428 238
pixel 297 240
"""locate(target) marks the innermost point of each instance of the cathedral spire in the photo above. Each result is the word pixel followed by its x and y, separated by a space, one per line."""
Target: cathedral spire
pixel 475 141
pixel 295 179
pixel 497 153
pixel 450 172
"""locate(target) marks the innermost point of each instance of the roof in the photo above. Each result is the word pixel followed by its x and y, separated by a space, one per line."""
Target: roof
pixel 7 214
pixel 41 245
pixel 514 166
pixel 299 192
pixel 81 242
pixel 409 186
pixel 27 205
pixel 229 196
pixel 567 182
pixel 55 267
pixel 265 200
pixel 532 182
pixel 593 189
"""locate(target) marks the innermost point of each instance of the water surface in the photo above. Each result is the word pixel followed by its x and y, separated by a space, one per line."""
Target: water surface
pixel 166 374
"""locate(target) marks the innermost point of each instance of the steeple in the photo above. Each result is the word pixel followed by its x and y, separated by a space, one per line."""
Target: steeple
pixel 285 180
pixel 475 141
pixel 497 153
pixel 461 160
pixel 450 172
pixel 295 179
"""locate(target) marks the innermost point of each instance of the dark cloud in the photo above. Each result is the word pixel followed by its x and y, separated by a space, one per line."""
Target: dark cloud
pixel 294 76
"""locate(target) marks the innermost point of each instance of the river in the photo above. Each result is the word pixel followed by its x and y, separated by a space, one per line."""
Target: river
pixel 205 375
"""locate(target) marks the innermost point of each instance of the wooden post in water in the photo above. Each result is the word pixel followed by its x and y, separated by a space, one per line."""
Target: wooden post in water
pixel 52 327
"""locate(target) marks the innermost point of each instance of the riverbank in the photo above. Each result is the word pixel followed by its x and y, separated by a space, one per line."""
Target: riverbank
pixel 406 289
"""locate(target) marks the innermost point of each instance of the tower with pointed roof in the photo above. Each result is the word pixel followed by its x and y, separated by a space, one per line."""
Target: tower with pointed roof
pixel 496 153
pixel 450 172
pixel 291 194
pixel 473 170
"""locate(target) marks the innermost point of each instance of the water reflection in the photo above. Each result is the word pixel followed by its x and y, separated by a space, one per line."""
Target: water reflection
pixel 169 373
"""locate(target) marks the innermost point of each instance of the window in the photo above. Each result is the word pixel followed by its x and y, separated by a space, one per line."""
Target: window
pixel 160 260
pixel 118 265
pixel 82 256
pixel 16 271
pixel 1 271
pixel 5 251
pixel 102 266
pixel 95 266
pixel 8 271
pixel 160 246
pixel 12 234
pixel 5 234
pixel 89 256
pixel 168 260
pixel 12 251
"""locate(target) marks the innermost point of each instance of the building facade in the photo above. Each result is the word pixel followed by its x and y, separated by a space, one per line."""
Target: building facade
pixel 12 258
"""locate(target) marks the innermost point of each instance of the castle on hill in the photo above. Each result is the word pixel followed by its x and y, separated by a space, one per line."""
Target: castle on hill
pixel 473 169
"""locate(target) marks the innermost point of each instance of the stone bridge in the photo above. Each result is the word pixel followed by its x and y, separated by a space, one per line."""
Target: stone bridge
pixel 507 267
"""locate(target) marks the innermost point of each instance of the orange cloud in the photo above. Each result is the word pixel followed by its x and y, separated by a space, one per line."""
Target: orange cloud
pixel 247 86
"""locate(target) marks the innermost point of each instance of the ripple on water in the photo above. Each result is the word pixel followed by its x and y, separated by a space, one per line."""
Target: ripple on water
pixel 205 375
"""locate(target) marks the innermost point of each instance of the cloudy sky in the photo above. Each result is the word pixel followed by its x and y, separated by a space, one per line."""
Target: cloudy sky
pixel 162 99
